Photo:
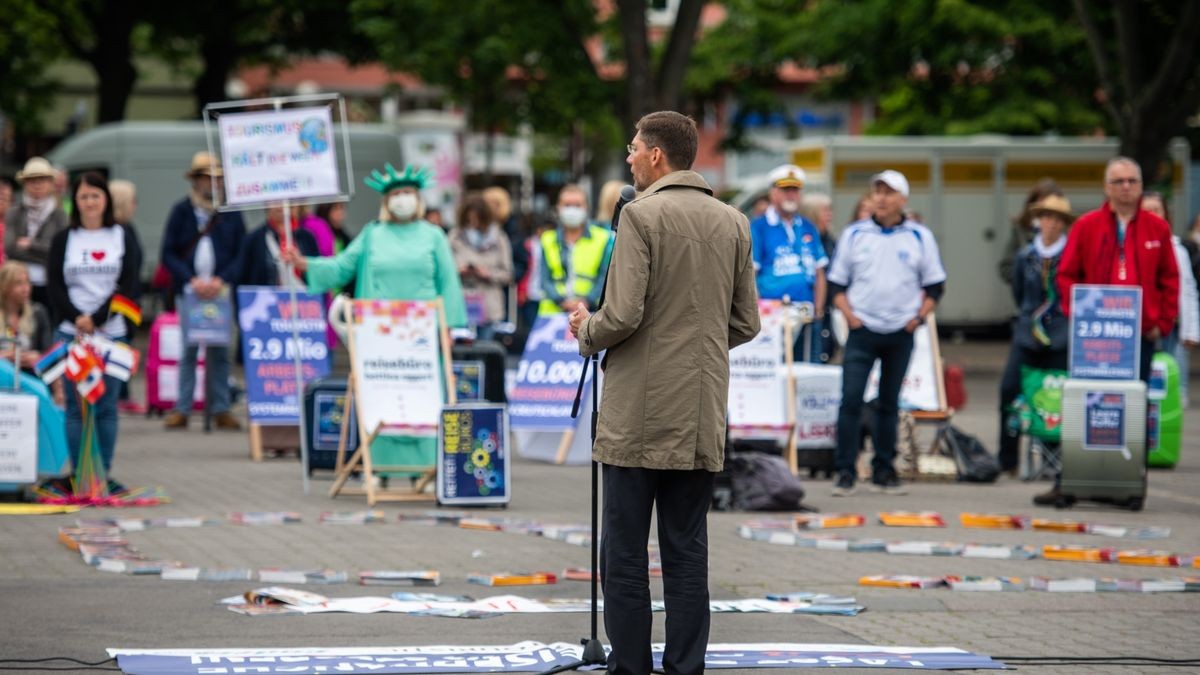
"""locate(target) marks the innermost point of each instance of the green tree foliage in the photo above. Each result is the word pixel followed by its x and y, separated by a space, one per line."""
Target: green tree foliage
pixel 1147 56
pixel 28 43
pixel 933 66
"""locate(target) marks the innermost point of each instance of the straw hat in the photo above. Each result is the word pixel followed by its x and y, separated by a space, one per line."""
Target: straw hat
pixel 204 164
pixel 1055 204
pixel 36 167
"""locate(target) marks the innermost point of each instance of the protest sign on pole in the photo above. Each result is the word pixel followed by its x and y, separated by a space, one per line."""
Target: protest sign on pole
pixel 287 153
pixel 270 326
pixel 279 154
pixel 542 396
pixel 473 466
pixel 1106 335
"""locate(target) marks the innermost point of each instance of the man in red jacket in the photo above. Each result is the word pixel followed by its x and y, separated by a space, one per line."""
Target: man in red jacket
pixel 1122 244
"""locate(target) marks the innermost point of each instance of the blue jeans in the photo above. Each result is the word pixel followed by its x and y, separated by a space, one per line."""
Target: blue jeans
pixel 863 347
pixel 810 335
pixel 216 389
pixel 104 413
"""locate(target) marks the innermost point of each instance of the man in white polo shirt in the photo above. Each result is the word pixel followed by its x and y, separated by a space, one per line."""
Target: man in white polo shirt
pixel 886 278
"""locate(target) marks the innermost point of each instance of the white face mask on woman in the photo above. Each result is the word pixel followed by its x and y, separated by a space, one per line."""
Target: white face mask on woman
pixel 572 216
pixel 403 206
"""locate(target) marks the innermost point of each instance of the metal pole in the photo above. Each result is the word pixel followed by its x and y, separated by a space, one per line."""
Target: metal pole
pixel 289 282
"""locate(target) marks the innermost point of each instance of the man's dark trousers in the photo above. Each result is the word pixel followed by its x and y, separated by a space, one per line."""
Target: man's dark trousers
pixel 682 499
pixel 863 347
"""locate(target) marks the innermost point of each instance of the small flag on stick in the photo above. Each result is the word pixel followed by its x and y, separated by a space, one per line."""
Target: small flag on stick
pixel 126 308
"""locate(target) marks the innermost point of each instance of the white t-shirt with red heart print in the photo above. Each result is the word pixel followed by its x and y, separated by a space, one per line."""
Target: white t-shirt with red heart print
pixel 92 270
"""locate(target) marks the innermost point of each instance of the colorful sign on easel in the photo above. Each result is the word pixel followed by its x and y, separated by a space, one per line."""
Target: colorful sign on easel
pixel 397 366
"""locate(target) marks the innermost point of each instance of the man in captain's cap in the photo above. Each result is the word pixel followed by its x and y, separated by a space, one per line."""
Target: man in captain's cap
pixel 789 258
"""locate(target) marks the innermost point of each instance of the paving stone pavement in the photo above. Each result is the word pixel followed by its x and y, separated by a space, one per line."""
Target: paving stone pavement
pixel 54 605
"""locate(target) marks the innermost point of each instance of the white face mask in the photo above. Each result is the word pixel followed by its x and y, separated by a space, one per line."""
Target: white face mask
pixel 474 237
pixel 403 206
pixel 789 206
pixel 572 216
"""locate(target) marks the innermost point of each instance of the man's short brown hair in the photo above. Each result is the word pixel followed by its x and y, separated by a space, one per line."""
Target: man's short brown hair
pixel 674 134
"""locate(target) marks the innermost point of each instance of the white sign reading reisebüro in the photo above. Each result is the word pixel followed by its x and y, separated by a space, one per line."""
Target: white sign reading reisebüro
pixel 398 378
pixel 279 154
pixel 18 438
pixel 757 389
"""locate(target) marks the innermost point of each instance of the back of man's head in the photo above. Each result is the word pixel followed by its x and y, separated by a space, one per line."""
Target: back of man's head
pixel 674 134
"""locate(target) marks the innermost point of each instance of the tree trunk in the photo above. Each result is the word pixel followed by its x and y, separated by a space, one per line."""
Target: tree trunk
pixel 220 58
pixel 639 79
pixel 112 59
pixel 679 51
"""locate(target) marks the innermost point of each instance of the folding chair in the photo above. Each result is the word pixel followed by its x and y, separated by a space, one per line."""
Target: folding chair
pixel 1041 389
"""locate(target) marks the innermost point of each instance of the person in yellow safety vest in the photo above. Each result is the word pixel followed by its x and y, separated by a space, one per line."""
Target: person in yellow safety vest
pixel 574 257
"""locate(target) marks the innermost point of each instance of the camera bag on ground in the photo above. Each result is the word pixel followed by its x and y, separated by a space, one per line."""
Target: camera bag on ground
pixel 763 482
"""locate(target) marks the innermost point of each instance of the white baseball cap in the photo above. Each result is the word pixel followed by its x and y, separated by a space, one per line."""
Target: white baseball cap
pixel 788 175
pixel 893 179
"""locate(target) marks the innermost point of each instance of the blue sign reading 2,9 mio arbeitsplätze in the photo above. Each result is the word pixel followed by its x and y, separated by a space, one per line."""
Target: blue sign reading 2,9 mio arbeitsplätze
pixel 1106 335
pixel 270 346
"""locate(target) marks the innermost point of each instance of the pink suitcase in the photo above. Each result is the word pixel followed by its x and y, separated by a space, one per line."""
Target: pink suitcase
pixel 162 366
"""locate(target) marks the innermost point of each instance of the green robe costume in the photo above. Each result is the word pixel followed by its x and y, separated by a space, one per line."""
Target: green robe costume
pixel 396 261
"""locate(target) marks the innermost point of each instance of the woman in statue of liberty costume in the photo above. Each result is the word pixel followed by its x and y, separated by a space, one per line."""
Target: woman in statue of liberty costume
pixel 399 256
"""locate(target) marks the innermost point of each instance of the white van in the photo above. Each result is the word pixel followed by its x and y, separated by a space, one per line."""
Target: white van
pixel 155 156
pixel 967 190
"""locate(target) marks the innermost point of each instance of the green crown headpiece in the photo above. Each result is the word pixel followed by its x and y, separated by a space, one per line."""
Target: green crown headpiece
pixel 391 179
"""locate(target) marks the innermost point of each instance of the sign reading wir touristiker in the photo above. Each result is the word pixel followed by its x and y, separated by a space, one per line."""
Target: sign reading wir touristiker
pixel 1106 332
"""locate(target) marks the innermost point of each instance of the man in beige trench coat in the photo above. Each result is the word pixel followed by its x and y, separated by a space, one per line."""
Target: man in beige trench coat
pixel 680 294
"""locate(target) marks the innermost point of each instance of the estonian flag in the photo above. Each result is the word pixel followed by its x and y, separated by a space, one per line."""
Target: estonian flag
pixel 53 363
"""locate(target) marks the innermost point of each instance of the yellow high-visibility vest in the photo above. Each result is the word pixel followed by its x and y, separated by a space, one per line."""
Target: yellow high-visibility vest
pixel 587 255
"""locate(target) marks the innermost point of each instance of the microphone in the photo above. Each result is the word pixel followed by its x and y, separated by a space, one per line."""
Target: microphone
pixel 627 195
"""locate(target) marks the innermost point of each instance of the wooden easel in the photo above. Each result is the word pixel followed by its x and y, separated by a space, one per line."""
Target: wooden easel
pixel 940 418
pixel 362 458
pixel 275 436
pixel 789 451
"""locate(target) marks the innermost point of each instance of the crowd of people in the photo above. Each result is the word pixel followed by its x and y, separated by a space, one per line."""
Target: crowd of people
pixel 497 273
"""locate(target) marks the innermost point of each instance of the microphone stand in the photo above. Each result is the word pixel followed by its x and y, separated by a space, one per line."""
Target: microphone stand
pixel 593 649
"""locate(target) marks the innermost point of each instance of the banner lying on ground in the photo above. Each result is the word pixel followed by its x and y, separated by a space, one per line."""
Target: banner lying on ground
pixel 526 657
pixel 269 347
pixel 510 604
pixel 278 155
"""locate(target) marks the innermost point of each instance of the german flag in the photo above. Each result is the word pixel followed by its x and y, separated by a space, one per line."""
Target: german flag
pixel 126 308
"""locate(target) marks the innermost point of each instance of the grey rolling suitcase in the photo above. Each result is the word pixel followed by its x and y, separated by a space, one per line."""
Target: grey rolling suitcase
pixel 1104 442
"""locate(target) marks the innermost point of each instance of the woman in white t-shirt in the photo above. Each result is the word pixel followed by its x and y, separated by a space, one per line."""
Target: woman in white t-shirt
pixel 90 262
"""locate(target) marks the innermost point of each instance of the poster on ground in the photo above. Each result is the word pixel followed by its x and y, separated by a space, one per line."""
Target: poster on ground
pixel 757 381
pixel 397 367
pixel 473 466
pixel 1106 332
pixel 273 334
pixel 278 154
pixel 547 378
